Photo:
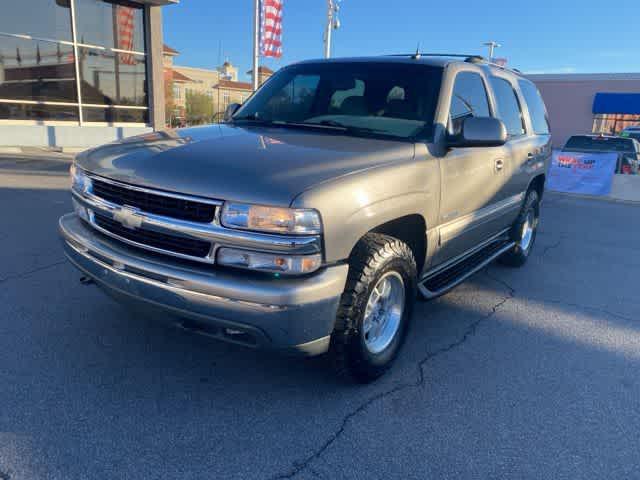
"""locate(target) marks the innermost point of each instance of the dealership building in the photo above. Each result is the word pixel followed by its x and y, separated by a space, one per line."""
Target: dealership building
pixel 579 103
pixel 76 73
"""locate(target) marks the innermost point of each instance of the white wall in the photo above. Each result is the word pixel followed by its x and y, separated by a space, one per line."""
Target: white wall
pixel 63 136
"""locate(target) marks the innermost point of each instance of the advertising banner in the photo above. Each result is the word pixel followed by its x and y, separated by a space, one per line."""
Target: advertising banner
pixel 583 173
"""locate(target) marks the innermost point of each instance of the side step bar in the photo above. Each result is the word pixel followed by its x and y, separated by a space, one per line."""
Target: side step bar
pixel 441 281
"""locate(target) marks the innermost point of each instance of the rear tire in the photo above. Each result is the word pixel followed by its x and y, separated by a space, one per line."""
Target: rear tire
pixel 524 232
pixel 375 308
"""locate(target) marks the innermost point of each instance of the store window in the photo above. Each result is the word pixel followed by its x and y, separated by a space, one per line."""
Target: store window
pixel 117 25
pixel 45 19
pixel 614 124
pixel 38 78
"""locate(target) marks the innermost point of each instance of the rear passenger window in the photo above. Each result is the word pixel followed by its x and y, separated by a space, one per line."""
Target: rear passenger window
pixel 469 100
pixel 509 110
pixel 536 107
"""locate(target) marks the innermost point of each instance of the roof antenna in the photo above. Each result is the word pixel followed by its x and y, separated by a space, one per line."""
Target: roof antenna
pixel 417 55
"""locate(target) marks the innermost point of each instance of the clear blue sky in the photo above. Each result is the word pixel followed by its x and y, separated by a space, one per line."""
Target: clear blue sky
pixel 538 36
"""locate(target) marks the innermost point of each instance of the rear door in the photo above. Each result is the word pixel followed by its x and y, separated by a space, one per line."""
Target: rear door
pixel 521 147
pixel 537 156
pixel 472 179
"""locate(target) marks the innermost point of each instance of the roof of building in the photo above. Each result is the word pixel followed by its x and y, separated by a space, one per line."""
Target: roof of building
pixel 167 50
pixel 231 85
pixel 262 69
pixel 176 76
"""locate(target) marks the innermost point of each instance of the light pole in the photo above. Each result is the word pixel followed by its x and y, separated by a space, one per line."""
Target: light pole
pixel 492 46
pixel 256 44
pixel 332 24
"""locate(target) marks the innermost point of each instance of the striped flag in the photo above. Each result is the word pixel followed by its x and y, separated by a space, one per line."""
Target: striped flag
pixel 126 29
pixel 271 28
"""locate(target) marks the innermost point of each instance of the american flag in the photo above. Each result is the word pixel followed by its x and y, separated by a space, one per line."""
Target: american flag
pixel 126 30
pixel 271 28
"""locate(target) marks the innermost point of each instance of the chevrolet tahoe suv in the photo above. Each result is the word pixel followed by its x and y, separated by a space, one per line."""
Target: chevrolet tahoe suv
pixel 312 218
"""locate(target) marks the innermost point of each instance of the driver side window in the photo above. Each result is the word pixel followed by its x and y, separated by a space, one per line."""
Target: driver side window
pixel 469 99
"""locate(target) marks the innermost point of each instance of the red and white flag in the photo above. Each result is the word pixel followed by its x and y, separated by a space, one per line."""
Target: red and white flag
pixel 126 30
pixel 271 28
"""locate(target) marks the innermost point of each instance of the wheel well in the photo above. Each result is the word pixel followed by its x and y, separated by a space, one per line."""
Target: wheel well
pixel 538 185
pixel 412 230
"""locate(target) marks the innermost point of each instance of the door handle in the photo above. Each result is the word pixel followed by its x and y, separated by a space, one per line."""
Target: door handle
pixel 499 164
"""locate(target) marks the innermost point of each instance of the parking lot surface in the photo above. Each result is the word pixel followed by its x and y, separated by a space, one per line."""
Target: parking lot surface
pixel 527 373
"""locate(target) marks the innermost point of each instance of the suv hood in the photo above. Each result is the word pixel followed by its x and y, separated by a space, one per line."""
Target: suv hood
pixel 249 164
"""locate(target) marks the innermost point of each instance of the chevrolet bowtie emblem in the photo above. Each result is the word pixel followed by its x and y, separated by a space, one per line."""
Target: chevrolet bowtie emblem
pixel 128 217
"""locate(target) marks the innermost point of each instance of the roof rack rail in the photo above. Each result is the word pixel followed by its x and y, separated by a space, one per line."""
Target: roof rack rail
pixel 422 54
pixel 476 59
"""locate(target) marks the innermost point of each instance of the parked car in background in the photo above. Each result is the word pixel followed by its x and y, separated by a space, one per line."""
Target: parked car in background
pixel 631 132
pixel 627 149
pixel 330 199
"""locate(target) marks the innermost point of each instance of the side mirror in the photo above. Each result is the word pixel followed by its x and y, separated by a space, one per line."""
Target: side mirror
pixel 230 111
pixel 480 132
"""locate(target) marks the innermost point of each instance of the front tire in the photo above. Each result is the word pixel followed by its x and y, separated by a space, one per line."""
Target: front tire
pixel 375 308
pixel 524 232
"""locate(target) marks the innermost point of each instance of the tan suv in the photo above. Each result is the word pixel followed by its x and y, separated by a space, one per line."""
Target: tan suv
pixel 311 220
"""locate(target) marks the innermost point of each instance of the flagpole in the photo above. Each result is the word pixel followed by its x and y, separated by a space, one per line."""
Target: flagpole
pixel 256 43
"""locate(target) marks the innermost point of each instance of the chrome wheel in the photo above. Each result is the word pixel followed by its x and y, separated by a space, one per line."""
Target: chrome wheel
pixel 527 231
pixel 383 313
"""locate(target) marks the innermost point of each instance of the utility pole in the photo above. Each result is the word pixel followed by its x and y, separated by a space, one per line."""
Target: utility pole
pixel 492 46
pixel 332 24
pixel 256 43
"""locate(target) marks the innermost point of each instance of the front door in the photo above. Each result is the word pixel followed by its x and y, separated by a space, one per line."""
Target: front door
pixel 473 179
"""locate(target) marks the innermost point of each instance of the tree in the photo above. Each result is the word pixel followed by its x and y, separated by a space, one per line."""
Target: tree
pixel 199 108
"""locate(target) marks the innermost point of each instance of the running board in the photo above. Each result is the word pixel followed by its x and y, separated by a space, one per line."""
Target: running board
pixel 442 281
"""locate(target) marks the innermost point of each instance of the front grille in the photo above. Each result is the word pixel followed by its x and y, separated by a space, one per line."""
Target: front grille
pixel 162 241
pixel 179 208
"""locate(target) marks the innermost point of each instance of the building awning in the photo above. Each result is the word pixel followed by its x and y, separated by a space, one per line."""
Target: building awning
pixel 617 103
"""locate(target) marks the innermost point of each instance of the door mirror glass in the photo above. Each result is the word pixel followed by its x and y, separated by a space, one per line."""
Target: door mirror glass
pixel 480 132
pixel 230 111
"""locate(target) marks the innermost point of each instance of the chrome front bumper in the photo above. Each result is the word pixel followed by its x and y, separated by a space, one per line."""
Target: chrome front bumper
pixel 295 314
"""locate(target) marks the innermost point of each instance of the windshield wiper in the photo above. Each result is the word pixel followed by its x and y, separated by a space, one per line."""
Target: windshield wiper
pixel 252 117
pixel 351 128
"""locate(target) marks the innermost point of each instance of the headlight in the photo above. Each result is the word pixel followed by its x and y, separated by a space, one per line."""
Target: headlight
pixel 79 180
pixel 269 262
pixel 271 219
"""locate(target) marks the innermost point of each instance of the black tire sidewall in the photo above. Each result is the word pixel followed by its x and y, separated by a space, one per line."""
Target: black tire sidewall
pixel 532 203
pixel 384 358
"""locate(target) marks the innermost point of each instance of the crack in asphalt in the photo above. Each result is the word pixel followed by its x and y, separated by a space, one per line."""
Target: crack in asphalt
pixel 22 275
pixel 299 466
pixel 551 247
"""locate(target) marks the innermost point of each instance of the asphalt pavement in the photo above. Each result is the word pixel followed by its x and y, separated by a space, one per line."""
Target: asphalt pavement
pixel 518 373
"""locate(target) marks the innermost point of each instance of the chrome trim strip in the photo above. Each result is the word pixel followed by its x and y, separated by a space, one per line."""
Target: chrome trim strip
pixel 430 295
pixel 210 258
pixel 471 220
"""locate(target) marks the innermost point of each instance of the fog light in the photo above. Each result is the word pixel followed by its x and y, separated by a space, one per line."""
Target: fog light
pixel 269 262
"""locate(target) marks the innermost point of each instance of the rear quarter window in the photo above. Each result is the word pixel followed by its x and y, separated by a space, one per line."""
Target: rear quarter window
pixel 537 108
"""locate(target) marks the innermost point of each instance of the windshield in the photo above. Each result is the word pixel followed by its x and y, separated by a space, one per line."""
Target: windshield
pixel 600 144
pixel 371 99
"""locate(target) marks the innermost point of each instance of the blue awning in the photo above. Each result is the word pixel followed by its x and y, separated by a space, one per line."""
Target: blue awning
pixel 621 103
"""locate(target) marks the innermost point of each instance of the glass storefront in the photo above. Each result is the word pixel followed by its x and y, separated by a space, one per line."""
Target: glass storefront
pixel 73 60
